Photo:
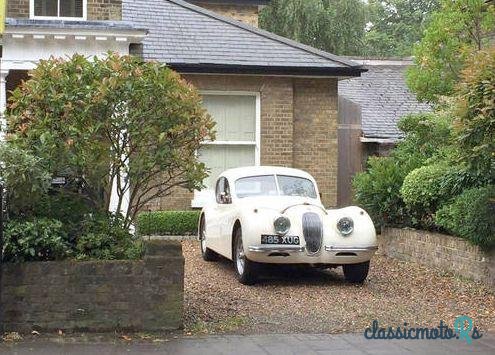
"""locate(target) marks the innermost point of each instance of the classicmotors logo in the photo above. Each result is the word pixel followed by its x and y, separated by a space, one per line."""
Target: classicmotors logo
pixel 463 329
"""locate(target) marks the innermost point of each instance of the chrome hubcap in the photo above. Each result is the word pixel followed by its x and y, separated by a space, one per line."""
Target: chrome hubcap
pixel 240 257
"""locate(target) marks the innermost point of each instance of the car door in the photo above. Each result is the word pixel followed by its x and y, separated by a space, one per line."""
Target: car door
pixel 224 213
pixel 216 230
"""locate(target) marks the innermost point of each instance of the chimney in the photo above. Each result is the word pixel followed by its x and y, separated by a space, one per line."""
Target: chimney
pixel 246 11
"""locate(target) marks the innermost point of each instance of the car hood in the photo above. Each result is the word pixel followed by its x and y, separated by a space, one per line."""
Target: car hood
pixel 278 203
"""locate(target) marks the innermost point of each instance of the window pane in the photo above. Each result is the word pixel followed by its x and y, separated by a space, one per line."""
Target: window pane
pixel 45 7
pixel 220 158
pixel 256 186
pixel 296 186
pixel 71 8
pixel 235 116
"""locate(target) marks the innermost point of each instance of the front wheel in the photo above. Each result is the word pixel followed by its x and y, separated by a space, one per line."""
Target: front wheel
pixel 356 273
pixel 206 253
pixel 245 268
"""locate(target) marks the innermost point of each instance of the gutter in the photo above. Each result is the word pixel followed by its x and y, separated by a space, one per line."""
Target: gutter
pixel 379 140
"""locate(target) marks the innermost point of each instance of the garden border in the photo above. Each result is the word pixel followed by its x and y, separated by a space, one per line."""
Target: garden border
pixel 96 296
pixel 446 252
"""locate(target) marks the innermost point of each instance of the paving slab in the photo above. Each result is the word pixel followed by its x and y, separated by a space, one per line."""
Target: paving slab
pixel 272 344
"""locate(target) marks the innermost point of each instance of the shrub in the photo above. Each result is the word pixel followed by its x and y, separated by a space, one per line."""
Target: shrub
pixel 112 119
pixel 168 223
pixel 475 126
pixel 471 216
pixel 41 239
pixel 431 185
pixel 25 177
pixel 426 134
pixel 378 191
pixel 69 208
pixel 104 238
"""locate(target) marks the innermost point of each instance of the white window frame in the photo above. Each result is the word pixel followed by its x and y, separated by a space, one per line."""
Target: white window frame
pixel 83 18
pixel 198 202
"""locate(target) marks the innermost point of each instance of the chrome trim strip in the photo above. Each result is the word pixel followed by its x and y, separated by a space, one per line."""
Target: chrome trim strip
pixel 332 248
pixel 276 248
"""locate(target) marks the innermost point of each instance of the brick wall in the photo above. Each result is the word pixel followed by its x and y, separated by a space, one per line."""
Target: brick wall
pixel 104 10
pixel 443 251
pixel 18 8
pixel 144 295
pixel 98 10
pixel 298 128
pixel 315 133
pixel 245 13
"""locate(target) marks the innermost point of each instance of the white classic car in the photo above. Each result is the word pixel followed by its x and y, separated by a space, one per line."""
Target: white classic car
pixel 274 215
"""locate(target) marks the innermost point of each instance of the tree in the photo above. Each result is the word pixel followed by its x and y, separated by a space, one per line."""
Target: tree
pixel 457 30
pixel 112 119
pixel 336 26
pixel 475 125
pixel 394 26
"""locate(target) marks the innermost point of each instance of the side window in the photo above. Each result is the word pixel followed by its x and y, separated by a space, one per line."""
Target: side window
pixel 219 189
pixel 222 191
pixel 227 197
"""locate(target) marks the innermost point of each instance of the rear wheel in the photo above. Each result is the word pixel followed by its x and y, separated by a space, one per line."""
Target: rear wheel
pixel 206 253
pixel 356 273
pixel 246 270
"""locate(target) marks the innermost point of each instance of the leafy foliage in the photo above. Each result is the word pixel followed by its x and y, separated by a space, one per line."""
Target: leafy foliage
pixel 114 119
pixel 40 239
pixel 457 30
pixel 427 188
pixel 475 126
pixel 351 27
pixel 396 25
pixel 336 26
pixel 471 216
pixel 426 134
pixel 168 223
pixel 378 190
pixel 26 177
pixel 107 241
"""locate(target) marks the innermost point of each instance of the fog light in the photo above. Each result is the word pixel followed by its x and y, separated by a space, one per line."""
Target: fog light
pixel 345 226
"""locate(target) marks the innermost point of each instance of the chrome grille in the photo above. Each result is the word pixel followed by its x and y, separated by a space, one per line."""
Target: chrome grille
pixel 312 231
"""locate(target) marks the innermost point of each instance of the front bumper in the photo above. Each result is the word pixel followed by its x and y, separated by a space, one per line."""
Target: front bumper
pixel 292 254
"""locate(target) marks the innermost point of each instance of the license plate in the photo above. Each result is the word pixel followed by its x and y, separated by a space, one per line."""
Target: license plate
pixel 279 239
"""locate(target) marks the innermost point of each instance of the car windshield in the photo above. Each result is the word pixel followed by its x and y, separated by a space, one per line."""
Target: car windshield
pixel 266 185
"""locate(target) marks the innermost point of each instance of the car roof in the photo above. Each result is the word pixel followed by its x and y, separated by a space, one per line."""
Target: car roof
pixel 246 171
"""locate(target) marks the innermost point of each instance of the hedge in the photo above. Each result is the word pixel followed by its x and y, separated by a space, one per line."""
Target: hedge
pixel 471 216
pixel 168 223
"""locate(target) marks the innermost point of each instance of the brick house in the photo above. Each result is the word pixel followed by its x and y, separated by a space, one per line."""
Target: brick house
pixel 370 108
pixel 275 101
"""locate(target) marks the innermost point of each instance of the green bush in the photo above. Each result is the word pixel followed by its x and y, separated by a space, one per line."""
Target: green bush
pixel 168 223
pixel 378 191
pixel 41 239
pixel 25 177
pixel 431 185
pixel 471 216
pixel 67 207
pixel 427 134
pixel 103 238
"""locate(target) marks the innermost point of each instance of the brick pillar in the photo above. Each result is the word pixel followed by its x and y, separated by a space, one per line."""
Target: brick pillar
pixel 315 133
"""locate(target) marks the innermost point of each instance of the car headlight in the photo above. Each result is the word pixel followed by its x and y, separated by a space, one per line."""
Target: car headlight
pixel 281 225
pixel 345 225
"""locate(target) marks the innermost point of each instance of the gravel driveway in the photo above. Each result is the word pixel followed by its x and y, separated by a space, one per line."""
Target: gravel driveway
pixel 310 301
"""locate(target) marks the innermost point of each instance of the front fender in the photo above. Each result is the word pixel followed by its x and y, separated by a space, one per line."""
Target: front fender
pixel 255 222
pixel 364 233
